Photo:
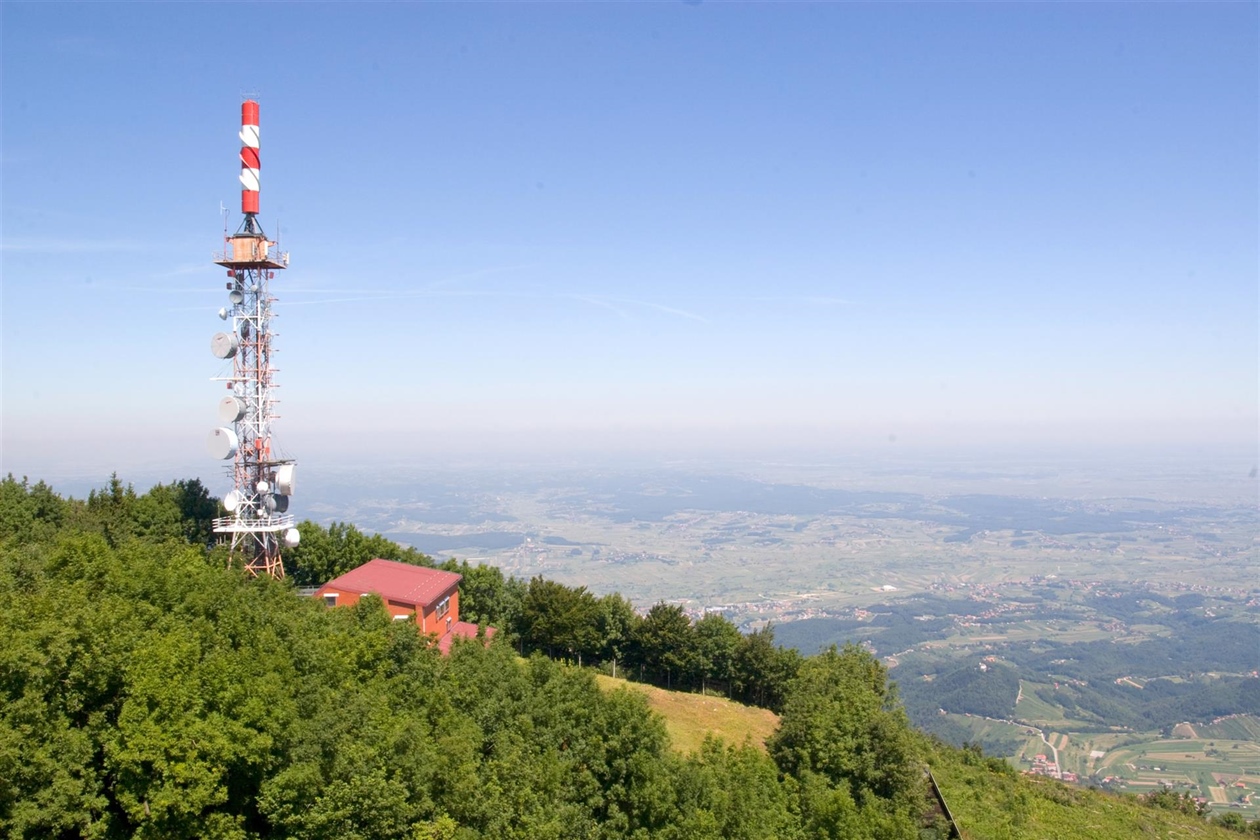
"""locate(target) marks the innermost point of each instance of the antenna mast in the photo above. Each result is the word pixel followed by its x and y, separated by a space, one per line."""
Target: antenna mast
pixel 258 521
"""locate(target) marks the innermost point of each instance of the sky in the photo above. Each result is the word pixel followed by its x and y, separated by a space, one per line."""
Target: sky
pixel 636 226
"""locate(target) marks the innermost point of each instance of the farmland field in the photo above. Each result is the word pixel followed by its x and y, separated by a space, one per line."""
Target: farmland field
pixel 1227 772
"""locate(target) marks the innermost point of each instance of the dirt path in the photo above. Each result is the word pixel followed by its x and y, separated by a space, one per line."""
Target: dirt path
pixel 1058 768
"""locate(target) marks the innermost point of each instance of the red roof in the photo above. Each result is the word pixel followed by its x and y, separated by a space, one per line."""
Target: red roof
pixel 404 582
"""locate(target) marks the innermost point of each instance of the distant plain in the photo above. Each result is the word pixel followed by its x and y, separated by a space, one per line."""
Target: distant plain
pixel 783 540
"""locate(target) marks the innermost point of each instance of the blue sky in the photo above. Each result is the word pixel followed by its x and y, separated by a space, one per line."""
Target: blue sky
pixel 648 225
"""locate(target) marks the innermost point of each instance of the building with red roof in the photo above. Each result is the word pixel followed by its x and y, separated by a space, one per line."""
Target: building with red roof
pixel 429 597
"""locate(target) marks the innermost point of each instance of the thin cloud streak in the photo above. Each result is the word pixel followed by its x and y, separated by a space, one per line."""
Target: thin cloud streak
pixel 601 303
pixel 659 307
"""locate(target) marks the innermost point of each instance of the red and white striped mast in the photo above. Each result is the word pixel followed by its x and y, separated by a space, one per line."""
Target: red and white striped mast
pixel 258 522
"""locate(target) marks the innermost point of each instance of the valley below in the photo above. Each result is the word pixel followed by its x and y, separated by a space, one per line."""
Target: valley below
pixel 1098 631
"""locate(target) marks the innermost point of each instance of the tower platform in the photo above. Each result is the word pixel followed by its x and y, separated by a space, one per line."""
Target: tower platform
pixel 250 251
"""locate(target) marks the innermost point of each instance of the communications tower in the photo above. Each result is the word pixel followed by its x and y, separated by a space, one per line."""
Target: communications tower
pixel 258 523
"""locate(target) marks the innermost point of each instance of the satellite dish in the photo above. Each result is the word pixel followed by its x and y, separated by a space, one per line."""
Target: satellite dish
pixel 262 487
pixel 235 296
pixel 223 345
pixel 222 443
pixel 231 409
pixel 284 479
pixel 278 503
pixel 223 313
pixel 292 537
pixel 231 501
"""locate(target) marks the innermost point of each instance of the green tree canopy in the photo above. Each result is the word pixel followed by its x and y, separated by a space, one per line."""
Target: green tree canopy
pixel 841 722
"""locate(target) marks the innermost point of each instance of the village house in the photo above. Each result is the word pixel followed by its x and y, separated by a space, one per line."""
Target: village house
pixel 429 597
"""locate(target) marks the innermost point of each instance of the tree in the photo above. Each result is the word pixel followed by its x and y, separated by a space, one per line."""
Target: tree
pixel 111 509
pixel 615 625
pixel 485 595
pixel 754 666
pixel 716 641
pixel 183 511
pixel 841 721
pixel 762 670
pixel 1170 800
pixel 557 616
pixel 324 553
pixel 1230 821
pixel 665 641
pixel 29 512
pixel 732 793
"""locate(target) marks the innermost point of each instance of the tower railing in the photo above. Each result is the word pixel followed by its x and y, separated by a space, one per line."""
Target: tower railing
pixel 231 524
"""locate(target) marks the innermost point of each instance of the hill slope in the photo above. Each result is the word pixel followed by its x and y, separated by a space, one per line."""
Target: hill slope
pixel 987 802
pixel 690 717
pixel 989 805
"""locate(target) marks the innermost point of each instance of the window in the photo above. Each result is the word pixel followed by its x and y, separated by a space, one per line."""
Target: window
pixel 330 599
pixel 444 606
pixel 401 617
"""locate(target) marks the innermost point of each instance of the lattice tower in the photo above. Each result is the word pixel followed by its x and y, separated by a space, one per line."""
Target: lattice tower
pixel 258 523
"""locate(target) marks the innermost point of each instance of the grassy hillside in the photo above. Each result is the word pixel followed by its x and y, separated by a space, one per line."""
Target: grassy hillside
pixel 690 717
pixel 987 804
pixel 994 806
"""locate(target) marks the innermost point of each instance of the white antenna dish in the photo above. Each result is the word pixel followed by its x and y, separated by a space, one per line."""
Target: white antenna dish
pixel 222 443
pixel 292 537
pixel 231 501
pixel 231 409
pixel 223 345
pixel 284 479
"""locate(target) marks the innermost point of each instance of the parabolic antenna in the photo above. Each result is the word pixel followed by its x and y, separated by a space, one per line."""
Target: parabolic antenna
pixel 231 409
pixel 292 537
pixel 284 479
pixel 231 501
pixel 223 345
pixel 276 503
pixel 236 296
pixel 222 443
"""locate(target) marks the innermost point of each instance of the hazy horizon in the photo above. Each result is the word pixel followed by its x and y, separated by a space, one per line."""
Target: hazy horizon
pixel 523 233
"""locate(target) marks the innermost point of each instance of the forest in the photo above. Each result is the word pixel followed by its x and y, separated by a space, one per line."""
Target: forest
pixel 663 646
pixel 151 691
